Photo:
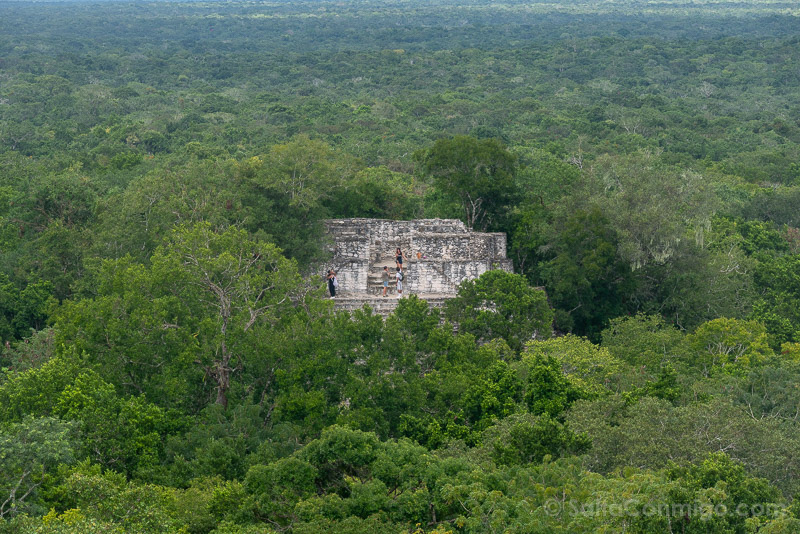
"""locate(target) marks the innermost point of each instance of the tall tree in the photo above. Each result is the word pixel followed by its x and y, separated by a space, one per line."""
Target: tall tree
pixel 234 283
pixel 194 311
pixel 479 174
pixel 500 304
pixel 587 281
pixel 30 450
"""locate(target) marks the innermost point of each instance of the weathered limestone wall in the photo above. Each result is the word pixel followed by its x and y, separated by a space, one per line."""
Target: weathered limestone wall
pixel 443 276
pixel 380 306
pixel 351 274
pixel 459 247
pixel 441 254
pixel 391 230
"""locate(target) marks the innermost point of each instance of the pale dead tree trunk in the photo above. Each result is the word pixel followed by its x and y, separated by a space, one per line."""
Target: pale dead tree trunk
pixel 227 299
pixel 631 124
pixel 472 210
pixel 577 159
pixel 222 375
pixel 12 497
pixel 706 89
pixel 222 369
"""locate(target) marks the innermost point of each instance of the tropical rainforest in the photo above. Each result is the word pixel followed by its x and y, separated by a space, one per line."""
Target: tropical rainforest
pixel 170 362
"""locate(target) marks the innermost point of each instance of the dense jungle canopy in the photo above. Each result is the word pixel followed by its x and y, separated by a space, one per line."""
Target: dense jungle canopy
pixel 170 361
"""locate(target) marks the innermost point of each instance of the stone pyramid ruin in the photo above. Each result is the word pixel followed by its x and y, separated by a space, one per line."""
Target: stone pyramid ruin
pixel 441 253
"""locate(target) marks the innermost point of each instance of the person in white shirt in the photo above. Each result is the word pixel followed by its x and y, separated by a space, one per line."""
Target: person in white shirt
pixel 399 276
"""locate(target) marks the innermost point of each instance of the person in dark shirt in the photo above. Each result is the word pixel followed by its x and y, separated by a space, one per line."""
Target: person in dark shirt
pixel 333 283
pixel 399 257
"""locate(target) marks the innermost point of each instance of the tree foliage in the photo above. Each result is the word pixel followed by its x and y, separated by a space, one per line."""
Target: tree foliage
pixel 499 304
pixel 477 173
pixel 169 365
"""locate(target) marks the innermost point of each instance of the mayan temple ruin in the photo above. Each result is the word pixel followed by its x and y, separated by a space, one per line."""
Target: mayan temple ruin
pixel 441 253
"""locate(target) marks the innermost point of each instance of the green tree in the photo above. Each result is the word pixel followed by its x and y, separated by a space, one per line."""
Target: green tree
pixel 30 352
pixel 643 340
pixel 544 182
pixel 107 498
pixel 137 220
pixel 479 174
pixel 651 431
pixel 729 345
pixel 778 308
pixel 769 391
pixel 377 192
pixel 523 439
pixel 234 283
pixel 197 311
pixel 279 486
pixel 720 491
pixel 289 191
pixel 587 281
pixel 23 311
pixel 499 304
pixel 548 390
pixel 123 433
pixel 7 228
pixel 29 450
pixel 306 171
pixel 591 369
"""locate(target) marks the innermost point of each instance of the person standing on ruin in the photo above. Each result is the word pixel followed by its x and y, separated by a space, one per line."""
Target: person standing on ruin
pixel 399 257
pixel 399 276
pixel 385 279
pixel 333 283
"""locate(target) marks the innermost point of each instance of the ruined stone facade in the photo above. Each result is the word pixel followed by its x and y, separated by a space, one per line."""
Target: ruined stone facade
pixel 440 253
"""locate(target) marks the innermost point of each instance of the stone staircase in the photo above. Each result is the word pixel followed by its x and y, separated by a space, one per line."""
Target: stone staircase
pixel 375 278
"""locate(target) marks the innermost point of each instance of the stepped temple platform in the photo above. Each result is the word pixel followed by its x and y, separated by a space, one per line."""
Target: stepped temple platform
pixel 441 253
